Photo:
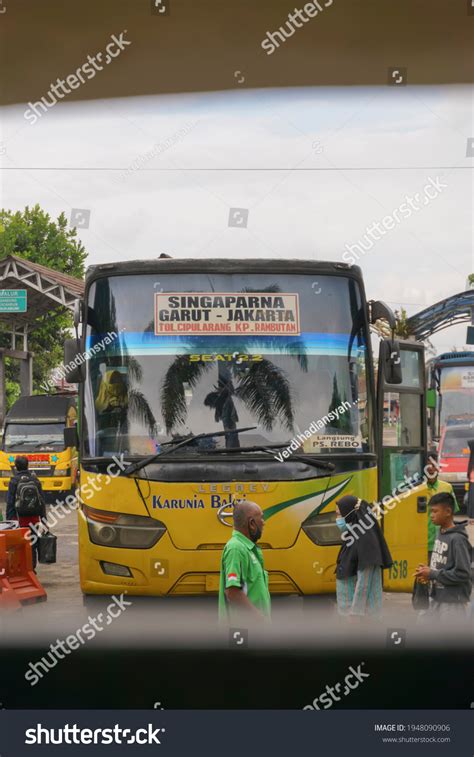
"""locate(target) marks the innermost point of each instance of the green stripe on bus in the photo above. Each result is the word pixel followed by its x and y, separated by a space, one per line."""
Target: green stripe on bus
pixel 283 505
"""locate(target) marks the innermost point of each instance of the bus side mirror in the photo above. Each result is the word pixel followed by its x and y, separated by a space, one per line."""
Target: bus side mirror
pixel 74 361
pixel 71 438
pixel 380 311
pixel 390 361
pixel 78 312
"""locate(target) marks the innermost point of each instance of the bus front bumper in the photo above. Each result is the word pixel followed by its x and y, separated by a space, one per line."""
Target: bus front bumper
pixel 164 570
pixel 49 484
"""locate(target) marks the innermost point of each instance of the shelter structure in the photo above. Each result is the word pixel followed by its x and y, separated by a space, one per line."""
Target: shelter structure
pixel 45 290
pixel 459 308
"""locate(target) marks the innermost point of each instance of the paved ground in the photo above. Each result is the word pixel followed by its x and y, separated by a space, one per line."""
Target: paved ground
pixel 61 580
pixel 176 617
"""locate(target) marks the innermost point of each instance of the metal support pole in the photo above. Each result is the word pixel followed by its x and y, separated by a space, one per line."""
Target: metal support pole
pixel 3 397
pixel 26 375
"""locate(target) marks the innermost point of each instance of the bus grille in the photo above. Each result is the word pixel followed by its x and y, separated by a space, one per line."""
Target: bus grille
pixel 195 583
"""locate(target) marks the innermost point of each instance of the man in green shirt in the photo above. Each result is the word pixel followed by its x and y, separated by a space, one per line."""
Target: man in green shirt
pixel 243 588
pixel 435 486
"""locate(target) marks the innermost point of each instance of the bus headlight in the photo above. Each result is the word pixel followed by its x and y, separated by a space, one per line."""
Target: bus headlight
pixel 113 569
pixel 106 534
pixel 5 473
pixel 109 529
pixel 62 472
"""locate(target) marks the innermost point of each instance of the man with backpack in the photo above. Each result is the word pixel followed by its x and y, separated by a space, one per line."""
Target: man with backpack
pixel 25 500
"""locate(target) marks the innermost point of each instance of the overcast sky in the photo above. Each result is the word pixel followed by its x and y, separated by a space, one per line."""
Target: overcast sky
pixel 421 131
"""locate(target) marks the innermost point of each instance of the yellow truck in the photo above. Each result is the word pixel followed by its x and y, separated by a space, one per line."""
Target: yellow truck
pixel 34 427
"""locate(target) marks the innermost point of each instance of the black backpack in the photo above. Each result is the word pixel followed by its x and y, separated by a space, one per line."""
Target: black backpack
pixel 28 500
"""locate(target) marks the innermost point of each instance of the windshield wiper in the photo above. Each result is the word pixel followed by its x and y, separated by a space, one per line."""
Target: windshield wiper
pixel 315 462
pixel 174 445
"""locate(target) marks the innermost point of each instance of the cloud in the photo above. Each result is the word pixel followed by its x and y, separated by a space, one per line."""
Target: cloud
pixel 292 213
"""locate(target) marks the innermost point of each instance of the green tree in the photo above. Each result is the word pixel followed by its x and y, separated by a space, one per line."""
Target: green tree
pixel 33 235
pixel 402 329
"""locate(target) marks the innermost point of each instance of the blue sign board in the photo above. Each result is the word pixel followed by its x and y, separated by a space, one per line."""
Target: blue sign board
pixel 12 300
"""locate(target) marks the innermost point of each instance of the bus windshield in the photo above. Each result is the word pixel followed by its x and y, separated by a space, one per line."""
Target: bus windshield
pixel 455 442
pixel 457 392
pixel 194 353
pixel 37 436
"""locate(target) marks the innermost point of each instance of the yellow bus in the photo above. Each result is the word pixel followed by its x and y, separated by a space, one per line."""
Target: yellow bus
pixel 34 427
pixel 226 379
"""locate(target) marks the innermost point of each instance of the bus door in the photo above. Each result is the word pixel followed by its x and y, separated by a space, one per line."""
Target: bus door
pixel 402 457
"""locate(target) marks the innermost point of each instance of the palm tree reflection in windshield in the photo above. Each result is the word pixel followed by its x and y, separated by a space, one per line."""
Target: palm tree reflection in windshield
pixel 118 401
pixel 261 386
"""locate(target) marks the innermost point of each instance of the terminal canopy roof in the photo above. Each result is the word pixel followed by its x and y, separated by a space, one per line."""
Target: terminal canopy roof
pixel 46 289
pixel 172 46
pixel 455 309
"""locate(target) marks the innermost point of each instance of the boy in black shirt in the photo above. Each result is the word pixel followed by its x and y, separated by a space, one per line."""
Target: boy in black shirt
pixel 450 568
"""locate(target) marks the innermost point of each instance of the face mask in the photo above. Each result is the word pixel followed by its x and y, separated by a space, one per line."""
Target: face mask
pixel 341 524
pixel 255 535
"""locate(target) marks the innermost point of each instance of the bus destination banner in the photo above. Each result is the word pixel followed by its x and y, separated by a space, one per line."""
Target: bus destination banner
pixel 227 313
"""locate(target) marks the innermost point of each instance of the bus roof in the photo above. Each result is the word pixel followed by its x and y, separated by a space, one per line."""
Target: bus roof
pixel 451 357
pixel 40 408
pixel 222 265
